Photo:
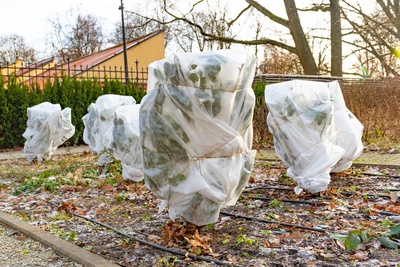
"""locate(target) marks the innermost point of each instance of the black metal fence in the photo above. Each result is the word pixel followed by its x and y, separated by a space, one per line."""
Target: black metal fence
pixel 39 74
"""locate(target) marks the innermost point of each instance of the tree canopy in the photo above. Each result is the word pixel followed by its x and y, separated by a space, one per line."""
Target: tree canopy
pixel 75 36
pixel 14 47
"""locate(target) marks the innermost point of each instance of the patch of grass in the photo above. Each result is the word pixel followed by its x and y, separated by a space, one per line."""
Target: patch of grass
pixel 286 179
pixel 60 216
pixel 121 197
pixel 226 240
pixel 243 239
pixel 169 261
pixel 145 218
pixel 34 184
pixel 275 203
pixel 69 236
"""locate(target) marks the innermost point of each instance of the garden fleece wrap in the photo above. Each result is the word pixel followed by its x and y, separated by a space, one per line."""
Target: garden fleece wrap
pixel 196 131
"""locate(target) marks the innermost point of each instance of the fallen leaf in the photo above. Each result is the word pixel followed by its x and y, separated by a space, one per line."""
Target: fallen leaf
pixel 296 235
pixel 107 187
pixel 394 209
pixel 328 255
pixel 21 237
pixel 393 197
pixel 360 255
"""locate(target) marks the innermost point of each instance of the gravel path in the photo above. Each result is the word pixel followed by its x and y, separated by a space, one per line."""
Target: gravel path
pixel 16 250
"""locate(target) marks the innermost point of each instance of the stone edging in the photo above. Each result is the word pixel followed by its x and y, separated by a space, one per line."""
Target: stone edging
pixel 60 246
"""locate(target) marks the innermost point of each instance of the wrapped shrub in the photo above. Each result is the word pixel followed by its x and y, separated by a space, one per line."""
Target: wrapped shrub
pixel 196 131
pixel 48 127
pixel 123 141
pixel 99 119
pixel 304 118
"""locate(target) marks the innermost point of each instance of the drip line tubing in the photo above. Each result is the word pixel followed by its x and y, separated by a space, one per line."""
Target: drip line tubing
pixel 358 164
pixel 144 242
pixel 314 203
pixel 274 222
pixel 319 203
pixel 381 174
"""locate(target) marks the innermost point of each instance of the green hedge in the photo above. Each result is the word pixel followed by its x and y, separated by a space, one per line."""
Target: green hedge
pixel 15 98
pixel 375 105
pixel 76 94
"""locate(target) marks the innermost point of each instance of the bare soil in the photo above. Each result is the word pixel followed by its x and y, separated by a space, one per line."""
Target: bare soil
pixel 360 207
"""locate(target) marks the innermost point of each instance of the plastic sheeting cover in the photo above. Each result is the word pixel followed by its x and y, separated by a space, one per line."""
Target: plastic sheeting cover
pixel 349 129
pixel 48 127
pixel 99 119
pixel 314 133
pixel 123 141
pixel 196 131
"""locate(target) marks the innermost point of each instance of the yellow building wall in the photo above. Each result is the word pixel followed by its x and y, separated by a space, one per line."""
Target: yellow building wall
pixel 29 75
pixel 146 52
pixel 12 67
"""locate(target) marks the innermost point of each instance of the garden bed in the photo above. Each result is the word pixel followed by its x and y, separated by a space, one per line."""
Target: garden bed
pixel 352 223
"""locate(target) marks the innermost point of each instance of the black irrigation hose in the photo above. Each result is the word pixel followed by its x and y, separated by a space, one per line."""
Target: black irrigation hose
pixel 345 193
pixel 314 203
pixel 144 242
pixel 387 213
pixel 381 175
pixel 268 187
pixel 364 194
pixel 273 222
pixel 354 164
pixel 320 203
pixel 388 166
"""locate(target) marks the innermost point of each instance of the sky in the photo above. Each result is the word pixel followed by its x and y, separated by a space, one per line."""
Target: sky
pixel 29 18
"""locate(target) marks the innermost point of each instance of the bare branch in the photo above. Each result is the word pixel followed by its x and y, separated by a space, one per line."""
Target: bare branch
pixel 373 50
pixel 268 13
pixel 215 37
pixel 316 7
pixel 238 16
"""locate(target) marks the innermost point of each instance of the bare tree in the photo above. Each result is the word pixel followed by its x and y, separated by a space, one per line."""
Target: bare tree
pixel 377 33
pixel 135 26
pixel 13 47
pixel 224 37
pixel 81 36
pixel 213 20
pixel 280 61
pixel 187 36
pixel 336 39
pixel 303 50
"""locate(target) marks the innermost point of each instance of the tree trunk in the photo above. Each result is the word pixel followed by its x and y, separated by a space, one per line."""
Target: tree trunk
pixel 302 47
pixel 336 39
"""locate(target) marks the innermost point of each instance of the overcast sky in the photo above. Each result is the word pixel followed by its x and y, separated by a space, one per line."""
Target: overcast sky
pixel 29 18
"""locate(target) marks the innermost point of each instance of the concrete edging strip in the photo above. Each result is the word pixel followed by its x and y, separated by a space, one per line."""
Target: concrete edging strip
pixel 60 246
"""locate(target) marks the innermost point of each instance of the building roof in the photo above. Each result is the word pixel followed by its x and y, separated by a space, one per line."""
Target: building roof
pixel 33 66
pixel 99 57
pixel 79 65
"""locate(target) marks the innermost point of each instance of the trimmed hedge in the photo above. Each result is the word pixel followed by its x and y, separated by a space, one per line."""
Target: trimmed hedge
pixel 376 105
pixel 76 94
